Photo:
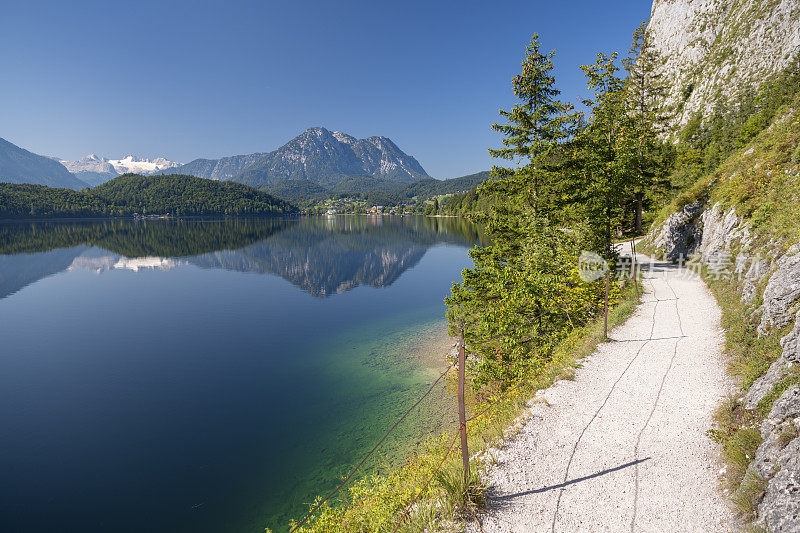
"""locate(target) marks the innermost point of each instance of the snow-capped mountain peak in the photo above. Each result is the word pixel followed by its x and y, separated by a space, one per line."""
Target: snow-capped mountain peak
pixel 140 165
pixel 129 163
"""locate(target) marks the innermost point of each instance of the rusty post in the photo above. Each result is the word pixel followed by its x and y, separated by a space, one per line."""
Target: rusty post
pixel 462 410
pixel 608 276
pixel 633 268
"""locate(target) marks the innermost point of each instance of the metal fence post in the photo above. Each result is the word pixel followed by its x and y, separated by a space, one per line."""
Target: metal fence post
pixel 462 411
pixel 608 275
pixel 633 268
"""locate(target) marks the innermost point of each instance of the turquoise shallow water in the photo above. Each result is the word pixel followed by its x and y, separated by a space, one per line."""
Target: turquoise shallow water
pixel 212 375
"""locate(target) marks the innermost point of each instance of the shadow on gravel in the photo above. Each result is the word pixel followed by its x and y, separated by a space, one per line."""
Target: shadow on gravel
pixel 570 482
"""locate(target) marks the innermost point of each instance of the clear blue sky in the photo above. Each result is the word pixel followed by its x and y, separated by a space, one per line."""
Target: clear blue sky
pixel 208 79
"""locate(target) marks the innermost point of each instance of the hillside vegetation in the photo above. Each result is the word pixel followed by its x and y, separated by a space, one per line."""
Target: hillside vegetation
pixel 745 158
pixel 145 195
pixel 738 217
pixel 374 191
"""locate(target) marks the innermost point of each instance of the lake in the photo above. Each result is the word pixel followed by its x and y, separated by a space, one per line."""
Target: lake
pixel 213 375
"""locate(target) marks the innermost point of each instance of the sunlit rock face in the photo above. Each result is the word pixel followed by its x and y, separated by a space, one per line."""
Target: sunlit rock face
pixel 714 49
pixel 317 155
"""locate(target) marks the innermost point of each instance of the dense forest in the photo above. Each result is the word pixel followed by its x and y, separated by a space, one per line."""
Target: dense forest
pixel 424 189
pixel 146 195
pixel 580 181
pixel 574 182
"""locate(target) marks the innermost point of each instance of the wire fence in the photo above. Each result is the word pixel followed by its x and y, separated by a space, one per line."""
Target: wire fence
pixel 372 451
pixel 497 400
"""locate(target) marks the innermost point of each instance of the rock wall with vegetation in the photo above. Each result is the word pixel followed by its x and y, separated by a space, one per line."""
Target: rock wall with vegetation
pixel 740 225
pixel 716 50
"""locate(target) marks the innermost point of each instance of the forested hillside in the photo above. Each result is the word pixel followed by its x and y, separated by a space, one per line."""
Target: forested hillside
pixel 188 195
pixel 145 195
pixel 374 191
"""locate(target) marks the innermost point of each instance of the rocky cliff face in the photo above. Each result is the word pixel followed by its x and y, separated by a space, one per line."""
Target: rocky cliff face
pixel 714 49
pixel 720 239
pixel 215 169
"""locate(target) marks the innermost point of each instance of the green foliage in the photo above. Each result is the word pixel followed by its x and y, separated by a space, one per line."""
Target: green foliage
pixel 188 196
pixel 424 189
pixel 298 192
pixel 524 294
pixel 38 201
pixel 707 143
pixel 130 193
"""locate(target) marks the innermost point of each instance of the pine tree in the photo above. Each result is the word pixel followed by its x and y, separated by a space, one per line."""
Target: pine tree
pixel 646 94
pixel 522 291
pixel 602 151
pixel 536 125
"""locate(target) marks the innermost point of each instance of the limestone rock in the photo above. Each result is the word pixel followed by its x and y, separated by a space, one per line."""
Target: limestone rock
pixel 782 292
pixel 764 384
pixel 787 406
pixel 715 48
pixel 719 231
pixel 680 234
pixel 780 508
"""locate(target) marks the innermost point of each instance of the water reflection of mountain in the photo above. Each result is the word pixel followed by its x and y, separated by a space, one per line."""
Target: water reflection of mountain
pixel 333 255
pixel 20 270
pixel 322 256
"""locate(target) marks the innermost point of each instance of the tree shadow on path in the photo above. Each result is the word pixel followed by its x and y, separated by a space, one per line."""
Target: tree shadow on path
pixel 571 481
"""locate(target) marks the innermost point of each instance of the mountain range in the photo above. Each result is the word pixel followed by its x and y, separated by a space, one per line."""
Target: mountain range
pixel 314 165
pixel 317 155
pixel 18 165
pixel 94 169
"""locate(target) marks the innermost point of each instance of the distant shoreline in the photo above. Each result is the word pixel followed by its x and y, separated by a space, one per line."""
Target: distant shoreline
pixel 145 219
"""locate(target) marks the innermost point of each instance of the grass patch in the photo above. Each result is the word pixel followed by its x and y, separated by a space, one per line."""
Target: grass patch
pixel 736 428
pixel 748 495
pixel 377 502
pixel 792 378
pixel 750 355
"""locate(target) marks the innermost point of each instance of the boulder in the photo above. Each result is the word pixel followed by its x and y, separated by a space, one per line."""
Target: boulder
pixel 791 343
pixel 778 462
pixel 782 292
pixel 680 234
pixel 764 384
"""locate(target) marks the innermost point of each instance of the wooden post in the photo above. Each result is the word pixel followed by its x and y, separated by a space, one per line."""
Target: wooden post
pixel 633 267
pixel 608 276
pixel 462 411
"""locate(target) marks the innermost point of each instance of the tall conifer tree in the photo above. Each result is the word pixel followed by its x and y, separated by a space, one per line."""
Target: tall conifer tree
pixel 522 291
pixel 646 93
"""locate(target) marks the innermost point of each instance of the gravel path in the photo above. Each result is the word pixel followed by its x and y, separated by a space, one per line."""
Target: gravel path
pixel 623 447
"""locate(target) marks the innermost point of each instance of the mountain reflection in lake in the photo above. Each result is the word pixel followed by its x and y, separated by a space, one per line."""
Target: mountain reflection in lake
pixel 322 256
pixel 212 375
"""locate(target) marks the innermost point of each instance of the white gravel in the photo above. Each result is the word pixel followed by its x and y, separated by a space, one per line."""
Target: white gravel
pixel 623 447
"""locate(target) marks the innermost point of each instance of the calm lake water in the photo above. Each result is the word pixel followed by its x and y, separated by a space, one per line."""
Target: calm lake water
pixel 212 375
